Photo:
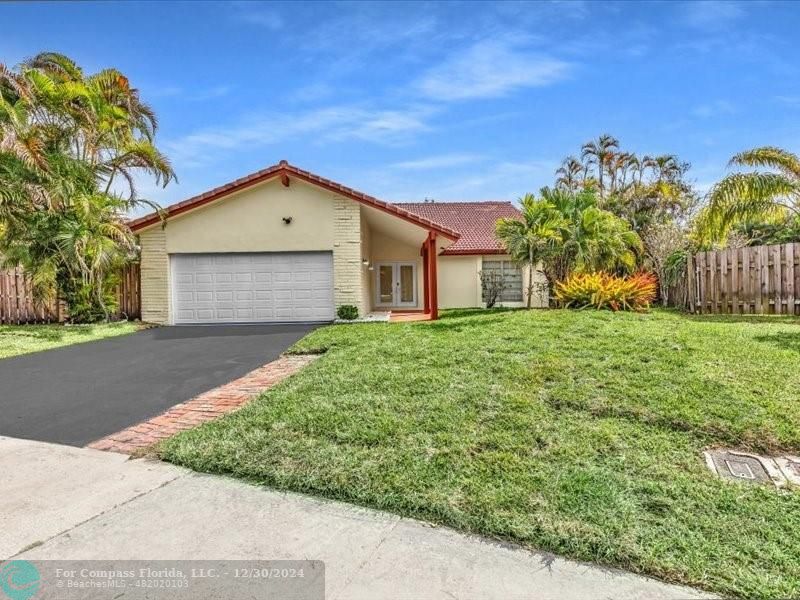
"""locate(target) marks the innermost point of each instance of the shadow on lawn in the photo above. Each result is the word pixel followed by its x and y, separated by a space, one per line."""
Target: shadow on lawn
pixel 457 319
pixel 48 333
pixel 460 313
pixel 749 319
pixel 783 340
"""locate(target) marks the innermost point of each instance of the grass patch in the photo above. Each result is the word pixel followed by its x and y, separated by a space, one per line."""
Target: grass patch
pixel 22 339
pixel 575 432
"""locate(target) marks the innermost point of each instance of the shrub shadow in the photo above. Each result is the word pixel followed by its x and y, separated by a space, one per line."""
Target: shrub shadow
pixel 783 340
pixel 749 319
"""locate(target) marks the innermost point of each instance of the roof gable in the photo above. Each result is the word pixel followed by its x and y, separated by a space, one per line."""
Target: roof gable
pixel 286 171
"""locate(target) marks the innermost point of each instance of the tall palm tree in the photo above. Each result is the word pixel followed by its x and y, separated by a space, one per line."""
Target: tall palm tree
pixel 66 140
pixel 599 153
pixel 109 126
pixel 568 175
pixel 755 194
pixel 618 170
pixel 666 167
pixel 533 238
pixel 647 162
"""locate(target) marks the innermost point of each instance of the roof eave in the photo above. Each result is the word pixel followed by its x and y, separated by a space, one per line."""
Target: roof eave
pixel 473 251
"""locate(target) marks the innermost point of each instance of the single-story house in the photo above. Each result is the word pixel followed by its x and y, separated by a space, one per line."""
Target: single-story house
pixel 283 245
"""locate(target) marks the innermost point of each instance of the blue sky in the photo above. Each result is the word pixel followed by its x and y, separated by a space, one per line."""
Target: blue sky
pixel 453 101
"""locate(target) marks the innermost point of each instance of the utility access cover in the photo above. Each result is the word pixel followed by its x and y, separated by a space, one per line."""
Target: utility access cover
pixel 738 466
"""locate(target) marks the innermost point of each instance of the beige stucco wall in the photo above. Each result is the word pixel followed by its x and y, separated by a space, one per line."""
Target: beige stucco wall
pixel 252 221
pixel 154 276
pixel 387 249
pixel 460 283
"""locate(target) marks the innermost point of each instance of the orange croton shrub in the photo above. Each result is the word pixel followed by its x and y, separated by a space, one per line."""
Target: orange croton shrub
pixel 606 291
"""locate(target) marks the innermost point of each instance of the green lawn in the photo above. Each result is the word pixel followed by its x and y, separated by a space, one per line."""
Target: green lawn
pixel 575 432
pixel 22 339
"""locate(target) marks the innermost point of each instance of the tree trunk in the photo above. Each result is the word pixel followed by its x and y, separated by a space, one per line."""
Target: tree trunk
pixel 530 277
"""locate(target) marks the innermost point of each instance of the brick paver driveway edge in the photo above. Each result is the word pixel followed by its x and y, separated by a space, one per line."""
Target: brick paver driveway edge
pixel 207 406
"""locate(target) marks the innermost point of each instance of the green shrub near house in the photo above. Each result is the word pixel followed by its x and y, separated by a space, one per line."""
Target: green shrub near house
pixel 347 312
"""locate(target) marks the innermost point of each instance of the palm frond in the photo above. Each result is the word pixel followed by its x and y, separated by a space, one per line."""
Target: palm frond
pixel 55 63
pixel 750 195
pixel 771 157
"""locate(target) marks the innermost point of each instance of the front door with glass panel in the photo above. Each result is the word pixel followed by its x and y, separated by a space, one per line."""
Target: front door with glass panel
pixel 397 284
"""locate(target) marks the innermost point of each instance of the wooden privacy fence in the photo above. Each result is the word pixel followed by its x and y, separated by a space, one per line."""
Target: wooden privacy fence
pixel 16 301
pixel 17 305
pixel 129 292
pixel 757 279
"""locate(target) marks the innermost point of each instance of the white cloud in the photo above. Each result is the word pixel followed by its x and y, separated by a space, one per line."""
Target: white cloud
pixel 712 14
pixel 437 162
pixel 333 124
pixel 382 126
pixel 490 69
pixel 187 94
pixel 210 93
pixel 788 100
pixel 714 109
pixel 312 92
pixel 161 91
pixel 503 180
pixel 256 14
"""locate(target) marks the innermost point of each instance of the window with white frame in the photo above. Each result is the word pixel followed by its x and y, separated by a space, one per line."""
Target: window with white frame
pixel 512 279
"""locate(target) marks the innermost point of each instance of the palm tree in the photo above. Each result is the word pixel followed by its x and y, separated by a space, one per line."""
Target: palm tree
pixel 599 153
pixel 66 140
pixel 666 167
pixel 110 127
pixel 592 239
pixel 568 175
pixel 648 162
pixel 754 195
pixel 604 242
pixel 618 170
pixel 533 238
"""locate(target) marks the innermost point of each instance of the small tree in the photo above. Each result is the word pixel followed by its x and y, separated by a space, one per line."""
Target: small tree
pixel 660 243
pixel 492 284
pixel 533 238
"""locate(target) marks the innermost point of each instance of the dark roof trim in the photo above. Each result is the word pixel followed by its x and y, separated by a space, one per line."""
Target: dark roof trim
pixel 472 251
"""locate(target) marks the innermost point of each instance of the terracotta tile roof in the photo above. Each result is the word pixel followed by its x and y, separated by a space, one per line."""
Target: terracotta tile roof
pixel 475 221
pixel 284 169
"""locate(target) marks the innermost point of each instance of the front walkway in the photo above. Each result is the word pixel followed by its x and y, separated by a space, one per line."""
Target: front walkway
pixel 399 316
pixel 61 502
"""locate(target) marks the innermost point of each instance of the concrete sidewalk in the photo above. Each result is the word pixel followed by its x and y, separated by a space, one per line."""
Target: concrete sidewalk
pixel 61 502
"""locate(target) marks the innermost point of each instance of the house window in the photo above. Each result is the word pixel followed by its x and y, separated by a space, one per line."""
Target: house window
pixel 512 279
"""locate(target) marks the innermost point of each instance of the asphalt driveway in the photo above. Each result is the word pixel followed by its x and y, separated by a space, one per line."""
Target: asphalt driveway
pixel 77 394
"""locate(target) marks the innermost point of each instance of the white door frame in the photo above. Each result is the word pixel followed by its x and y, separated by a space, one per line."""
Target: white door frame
pixel 396 265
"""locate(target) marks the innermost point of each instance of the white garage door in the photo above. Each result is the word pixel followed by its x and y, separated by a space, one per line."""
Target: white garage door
pixel 249 288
